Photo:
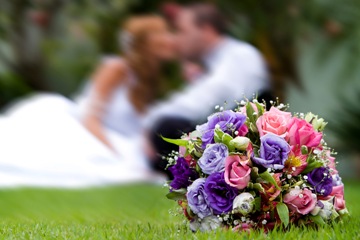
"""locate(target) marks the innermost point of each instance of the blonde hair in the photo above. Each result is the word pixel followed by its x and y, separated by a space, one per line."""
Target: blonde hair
pixel 139 58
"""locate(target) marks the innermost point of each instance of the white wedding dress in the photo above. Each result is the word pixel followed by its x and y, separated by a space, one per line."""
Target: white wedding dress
pixel 43 143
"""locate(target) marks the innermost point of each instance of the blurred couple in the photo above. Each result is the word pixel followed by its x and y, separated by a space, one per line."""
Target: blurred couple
pixel 110 133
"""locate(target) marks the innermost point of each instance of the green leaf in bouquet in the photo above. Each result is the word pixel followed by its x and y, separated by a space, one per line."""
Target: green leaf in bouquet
pixel 260 109
pixel 257 186
pixel 218 135
pixel 304 150
pixel 312 164
pixel 222 137
pixel 250 112
pixel 179 142
pixel 226 138
pixel 283 213
pixel 254 173
pixel 252 127
pixel 257 203
pixel 269 178
pixel 176 195
pixel 194 148
pixel 317 220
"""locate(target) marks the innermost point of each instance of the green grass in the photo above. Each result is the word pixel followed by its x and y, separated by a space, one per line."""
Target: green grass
pixel 129 212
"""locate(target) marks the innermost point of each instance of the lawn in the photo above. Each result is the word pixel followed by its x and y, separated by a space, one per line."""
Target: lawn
pixel 129 212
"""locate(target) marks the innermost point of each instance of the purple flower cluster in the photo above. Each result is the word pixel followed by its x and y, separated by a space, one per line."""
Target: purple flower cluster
pixel 227 121
pixel 321 180
pixel 197 198
pixel 213 158
pixel 211 195
pixel 274 151
pixel 183 174
pixel 220 195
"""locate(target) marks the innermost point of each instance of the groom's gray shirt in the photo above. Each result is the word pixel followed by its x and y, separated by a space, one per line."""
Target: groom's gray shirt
pixel 235 70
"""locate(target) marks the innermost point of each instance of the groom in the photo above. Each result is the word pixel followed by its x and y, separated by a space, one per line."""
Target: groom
pixel 233 70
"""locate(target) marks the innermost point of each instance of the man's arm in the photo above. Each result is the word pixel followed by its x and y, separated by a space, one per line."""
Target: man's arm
pixel 239 75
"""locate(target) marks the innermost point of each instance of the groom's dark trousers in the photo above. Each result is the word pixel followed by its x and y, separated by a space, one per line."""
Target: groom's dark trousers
pixel 169 127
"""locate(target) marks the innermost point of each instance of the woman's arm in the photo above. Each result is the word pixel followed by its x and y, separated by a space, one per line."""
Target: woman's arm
pixel 107 77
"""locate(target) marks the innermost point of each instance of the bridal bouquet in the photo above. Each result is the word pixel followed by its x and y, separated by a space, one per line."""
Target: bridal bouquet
pixel 251 168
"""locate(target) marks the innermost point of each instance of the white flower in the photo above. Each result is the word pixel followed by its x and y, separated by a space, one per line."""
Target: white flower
pixel 207 224
pixel 318 123
pixel 240 143
pixel 244 203
pixel 325 209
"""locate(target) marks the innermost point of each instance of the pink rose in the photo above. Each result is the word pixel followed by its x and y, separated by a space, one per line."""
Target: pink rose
pixel 237 172
pixel 273 121
pixel 300 132
pixel 339 201
pixel 300 201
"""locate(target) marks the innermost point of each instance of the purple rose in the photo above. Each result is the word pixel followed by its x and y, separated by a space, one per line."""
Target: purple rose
pixel 213 158
pixel 228 121
pixel 220 195
pixel 183 174
pixel 320 178
pixel 274 151
pixel 197 198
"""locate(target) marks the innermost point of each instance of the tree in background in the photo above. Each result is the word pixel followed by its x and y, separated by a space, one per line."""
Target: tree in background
pixel 54 44
pixel 22 29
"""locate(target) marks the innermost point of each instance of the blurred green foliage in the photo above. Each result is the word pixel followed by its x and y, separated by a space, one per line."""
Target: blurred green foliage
pixel 54 44
pixel 347 124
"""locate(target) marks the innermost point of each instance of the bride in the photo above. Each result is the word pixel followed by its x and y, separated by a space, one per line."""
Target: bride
pixel 49 140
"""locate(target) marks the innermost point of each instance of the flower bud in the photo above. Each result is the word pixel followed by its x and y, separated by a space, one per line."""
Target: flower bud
pixel 318 123
pixel 309 117
pixel 325 209
pixel 244 203
pixel 304 150
pixel 240 143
